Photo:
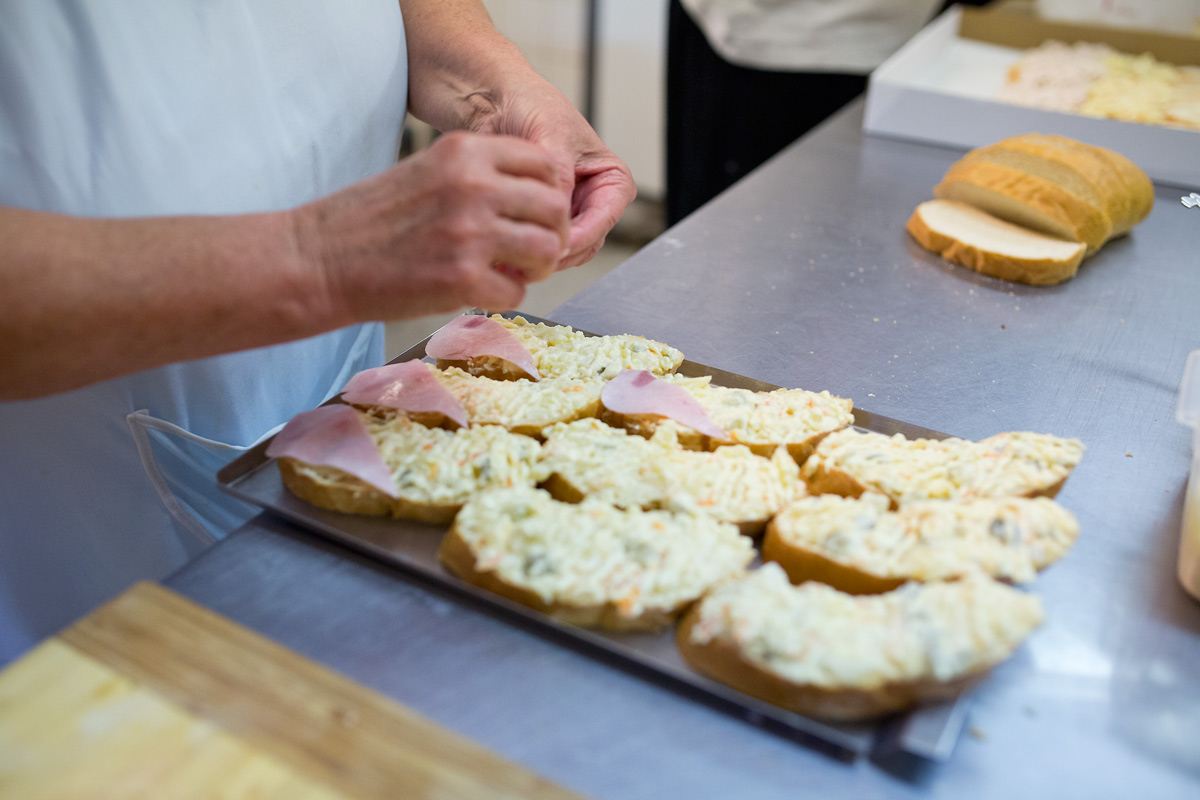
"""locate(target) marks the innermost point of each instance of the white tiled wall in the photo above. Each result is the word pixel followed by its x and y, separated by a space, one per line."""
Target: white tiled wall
pixel 631 39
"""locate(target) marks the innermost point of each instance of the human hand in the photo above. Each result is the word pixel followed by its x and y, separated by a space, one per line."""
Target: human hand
pixel 427 235
pixel 598 182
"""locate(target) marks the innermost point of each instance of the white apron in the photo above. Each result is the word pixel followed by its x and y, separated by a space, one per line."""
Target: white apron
pixel 153 108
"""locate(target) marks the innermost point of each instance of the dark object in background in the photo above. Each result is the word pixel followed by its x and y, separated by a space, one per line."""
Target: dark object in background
pixel 723 120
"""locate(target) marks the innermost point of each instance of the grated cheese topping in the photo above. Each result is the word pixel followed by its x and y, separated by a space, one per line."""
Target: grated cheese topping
pixel 815 635
pixel 1009 538
pixel 1007 464
pixel 432 465
pixel 593 553
pixel 730 484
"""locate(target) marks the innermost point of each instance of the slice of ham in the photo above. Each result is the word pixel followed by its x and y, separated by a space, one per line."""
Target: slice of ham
pixel 408 386
pixel 470 336
pixel 637 391
pixel 334 436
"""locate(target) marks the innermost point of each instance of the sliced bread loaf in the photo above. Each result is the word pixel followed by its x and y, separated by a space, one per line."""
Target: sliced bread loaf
pixel 1025 199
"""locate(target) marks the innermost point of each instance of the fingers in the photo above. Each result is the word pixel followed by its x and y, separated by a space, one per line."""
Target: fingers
pixel 530 249
pixel 524 200
pixel 600 200
pixel 524 159
pixel 495 290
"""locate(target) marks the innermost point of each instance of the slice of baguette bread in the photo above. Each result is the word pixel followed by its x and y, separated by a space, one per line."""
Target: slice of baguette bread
pixel 1019 197
pixel 591 564
pixel 763 421
pixel 434 470
pixel 560 351
pixel 1021 464
pixel 975 239
pixel 817 651
pixel 587 458
pixel 859 546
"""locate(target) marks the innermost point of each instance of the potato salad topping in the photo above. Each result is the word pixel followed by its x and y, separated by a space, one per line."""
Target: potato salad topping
pixel 1008 464
pixel 781 416
pixel 730 484
pixel 592 553
pixel 813 634
pixel 432 465
pixel 563 352
pixel 1009 538
pixel 521 403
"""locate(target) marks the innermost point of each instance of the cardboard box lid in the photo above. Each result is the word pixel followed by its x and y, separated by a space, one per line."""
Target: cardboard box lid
pixel 1015 23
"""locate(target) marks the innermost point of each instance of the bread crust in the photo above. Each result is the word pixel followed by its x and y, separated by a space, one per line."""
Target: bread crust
pixel 1048 201
pixel 1035 272
pixel 802 564
pixel 722 661
pixel 1139 189
pixel 1079 170
pixel 457 557
pixel 331 488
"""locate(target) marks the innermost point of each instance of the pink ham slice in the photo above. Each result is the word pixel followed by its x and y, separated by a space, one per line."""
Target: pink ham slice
pixel 408 386
pixel 637 391
pixel 470 336
pixel 334 436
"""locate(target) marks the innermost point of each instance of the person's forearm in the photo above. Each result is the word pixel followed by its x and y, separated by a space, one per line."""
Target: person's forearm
pixel 86 299
pixel 459 64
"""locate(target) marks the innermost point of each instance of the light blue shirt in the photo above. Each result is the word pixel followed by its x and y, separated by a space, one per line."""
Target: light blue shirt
pixel 146 108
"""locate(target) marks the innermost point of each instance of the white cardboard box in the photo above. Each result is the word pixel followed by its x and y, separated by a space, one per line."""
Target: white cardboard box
pixel 938 89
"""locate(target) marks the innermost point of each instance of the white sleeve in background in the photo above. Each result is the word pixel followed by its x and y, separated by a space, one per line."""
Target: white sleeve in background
pixel 850 36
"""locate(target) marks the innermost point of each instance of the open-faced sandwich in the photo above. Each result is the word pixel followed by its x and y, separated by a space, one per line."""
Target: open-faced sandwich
pixel 824 653
pixel 704 416
pixel 591 563
pixel 587 458
pixel 454 398
pixel 506 349
pixel 343 459
pixel 861 547
pixel 850 462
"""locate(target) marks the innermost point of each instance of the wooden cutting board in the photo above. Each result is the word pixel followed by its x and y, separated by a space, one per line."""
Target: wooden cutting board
pixel 154 696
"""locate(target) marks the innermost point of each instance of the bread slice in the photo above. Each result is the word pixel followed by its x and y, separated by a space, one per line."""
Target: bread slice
pixel 975 239
pixel 1027 200
pixel 817 651
pixel 591 564
pixel 590 459
pixel 560 351
pixel 435 470
pixel 1021 464
pixel 859 546
pixel 763 421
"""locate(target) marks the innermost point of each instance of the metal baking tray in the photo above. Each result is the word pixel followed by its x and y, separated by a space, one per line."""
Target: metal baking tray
pixel 928 732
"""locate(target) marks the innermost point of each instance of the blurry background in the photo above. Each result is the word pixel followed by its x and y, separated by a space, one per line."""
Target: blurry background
pixel 619 82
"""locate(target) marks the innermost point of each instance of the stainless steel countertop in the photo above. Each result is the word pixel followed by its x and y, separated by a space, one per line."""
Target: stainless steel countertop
pixel 801 275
